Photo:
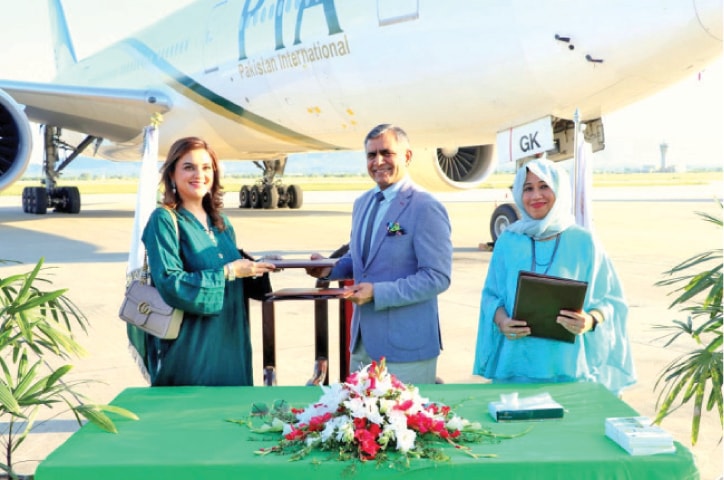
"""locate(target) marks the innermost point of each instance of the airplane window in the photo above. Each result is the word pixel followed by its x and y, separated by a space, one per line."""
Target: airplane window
pixel 396 11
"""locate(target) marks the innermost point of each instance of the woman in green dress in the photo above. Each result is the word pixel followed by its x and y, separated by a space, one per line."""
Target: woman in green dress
pixel 196 266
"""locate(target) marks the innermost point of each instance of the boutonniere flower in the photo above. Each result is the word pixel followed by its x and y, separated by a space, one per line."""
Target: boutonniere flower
pixel 394 229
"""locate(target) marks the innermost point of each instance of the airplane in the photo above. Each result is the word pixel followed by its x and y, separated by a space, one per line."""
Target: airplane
pixel 263 79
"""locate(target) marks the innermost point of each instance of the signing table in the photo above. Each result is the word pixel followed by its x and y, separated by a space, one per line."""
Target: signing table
pixel 183 434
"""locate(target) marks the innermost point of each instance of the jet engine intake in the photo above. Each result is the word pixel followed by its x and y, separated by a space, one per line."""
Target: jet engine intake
pixel 452 168
pixel 16 140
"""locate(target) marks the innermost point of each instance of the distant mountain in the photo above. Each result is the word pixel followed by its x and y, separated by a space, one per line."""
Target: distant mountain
pixel 326 163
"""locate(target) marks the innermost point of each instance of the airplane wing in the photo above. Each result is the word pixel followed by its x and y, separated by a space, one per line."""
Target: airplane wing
pixel 112 113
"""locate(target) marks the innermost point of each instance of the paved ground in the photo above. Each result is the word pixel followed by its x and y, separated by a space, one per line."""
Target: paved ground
pixel 646 231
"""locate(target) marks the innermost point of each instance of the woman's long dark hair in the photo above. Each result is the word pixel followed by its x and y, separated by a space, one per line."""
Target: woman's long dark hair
pixel 213 201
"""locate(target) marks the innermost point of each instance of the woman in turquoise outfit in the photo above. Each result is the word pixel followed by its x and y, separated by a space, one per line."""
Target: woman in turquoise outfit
pixel 547 240
pixel 196 266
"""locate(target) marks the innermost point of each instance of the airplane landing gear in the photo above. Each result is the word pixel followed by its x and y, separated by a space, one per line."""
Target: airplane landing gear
pixel 268 193
pixel 503 215
pixel 270 196
pixel 37 200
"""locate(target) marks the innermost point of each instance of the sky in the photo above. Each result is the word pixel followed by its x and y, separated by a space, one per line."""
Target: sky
pixel 688 116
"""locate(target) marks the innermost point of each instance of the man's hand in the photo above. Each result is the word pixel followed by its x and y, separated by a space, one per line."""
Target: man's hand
pixel 362 293
pixel 318 272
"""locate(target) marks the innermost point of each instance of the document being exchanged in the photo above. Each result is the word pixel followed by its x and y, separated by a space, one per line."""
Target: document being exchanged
pixel 306 293
pixel 309 294
pixel 303 263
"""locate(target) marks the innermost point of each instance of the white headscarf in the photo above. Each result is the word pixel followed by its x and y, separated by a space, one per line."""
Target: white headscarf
pixel 560 216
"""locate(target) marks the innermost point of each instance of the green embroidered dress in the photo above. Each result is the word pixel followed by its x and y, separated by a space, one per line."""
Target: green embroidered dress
pixel 213 347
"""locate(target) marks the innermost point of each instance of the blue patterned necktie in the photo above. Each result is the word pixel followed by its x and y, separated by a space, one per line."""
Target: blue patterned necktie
pixel 379 196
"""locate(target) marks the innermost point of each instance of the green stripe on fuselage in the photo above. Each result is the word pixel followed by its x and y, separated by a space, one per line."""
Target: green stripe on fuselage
pixel 201 95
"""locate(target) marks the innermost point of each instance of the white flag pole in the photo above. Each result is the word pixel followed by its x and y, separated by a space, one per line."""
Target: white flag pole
pixel 146 198
pixel 582 176
pixel 576 126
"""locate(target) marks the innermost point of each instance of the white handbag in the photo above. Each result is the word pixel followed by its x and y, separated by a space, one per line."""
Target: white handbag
pixel 144 308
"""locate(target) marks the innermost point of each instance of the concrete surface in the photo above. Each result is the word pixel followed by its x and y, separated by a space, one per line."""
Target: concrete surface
pixel 646 231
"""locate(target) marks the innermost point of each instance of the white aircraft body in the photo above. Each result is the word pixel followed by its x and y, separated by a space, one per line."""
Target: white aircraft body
pixel 261 79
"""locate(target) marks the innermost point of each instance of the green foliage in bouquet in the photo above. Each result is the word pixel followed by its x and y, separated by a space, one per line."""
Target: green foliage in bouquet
pixel 372 416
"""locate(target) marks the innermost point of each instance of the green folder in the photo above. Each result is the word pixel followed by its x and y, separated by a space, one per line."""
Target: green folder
pixel 539 298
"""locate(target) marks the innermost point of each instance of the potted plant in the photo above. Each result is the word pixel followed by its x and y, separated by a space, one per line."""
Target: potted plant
pixel 691 376
pixel 36 341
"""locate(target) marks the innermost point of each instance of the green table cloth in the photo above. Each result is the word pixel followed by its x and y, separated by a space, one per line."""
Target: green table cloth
pixel 183 434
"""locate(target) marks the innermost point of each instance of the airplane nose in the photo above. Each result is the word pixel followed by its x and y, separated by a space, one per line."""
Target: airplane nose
pixel 709 14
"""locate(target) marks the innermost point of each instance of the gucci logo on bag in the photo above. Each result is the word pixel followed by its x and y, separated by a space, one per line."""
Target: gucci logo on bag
pixel 144 308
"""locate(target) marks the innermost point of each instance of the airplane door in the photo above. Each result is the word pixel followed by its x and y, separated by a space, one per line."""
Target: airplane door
pixel 396 11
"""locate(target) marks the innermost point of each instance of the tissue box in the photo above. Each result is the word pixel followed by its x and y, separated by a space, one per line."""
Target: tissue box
pixel 639 436
pixel 537 407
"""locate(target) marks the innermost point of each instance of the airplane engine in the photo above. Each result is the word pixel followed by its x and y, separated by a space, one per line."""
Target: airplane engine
pixel 452 168
pixel 16 140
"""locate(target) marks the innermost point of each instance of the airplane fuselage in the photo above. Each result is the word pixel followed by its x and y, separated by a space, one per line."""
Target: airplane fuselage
pixel 262 79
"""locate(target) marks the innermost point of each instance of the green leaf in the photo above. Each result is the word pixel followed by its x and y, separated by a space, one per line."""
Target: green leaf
pixel 58 374
pixel 696 419
pixel 259 409
pixel 281 406
pixel 8 401
pixel 19 439
pixel 264 428
pixel 97 417
pixel 120 411
pixel 25 378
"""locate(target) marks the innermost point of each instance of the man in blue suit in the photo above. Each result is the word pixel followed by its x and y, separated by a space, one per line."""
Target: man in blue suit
pixel 400 257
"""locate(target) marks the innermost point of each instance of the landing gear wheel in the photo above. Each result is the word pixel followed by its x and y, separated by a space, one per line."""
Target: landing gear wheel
pixel 255 197
pixel 503 216
pixel 282 191
pixel 68 199
pixel 294 196
pixel 35 200
pixel 244 200
pixel 269 197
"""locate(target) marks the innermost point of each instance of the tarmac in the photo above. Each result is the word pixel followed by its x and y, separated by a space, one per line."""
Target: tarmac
pixel 646 231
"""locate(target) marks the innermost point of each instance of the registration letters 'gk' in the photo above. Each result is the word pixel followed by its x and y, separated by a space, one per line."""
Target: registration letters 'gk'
pixel 529 142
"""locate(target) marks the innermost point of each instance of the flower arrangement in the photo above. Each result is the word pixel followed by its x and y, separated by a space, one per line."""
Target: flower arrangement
pixel 368 416
pixel 394 229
